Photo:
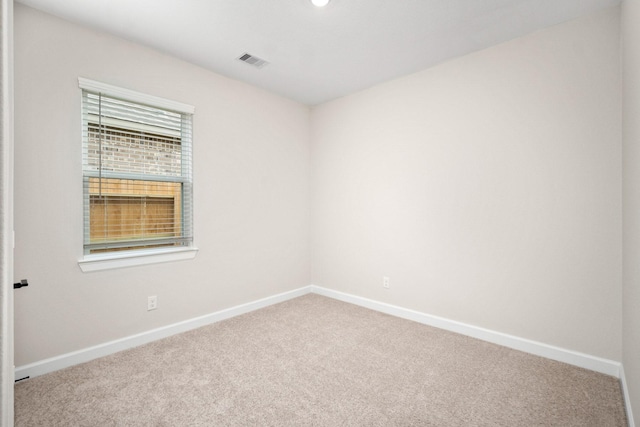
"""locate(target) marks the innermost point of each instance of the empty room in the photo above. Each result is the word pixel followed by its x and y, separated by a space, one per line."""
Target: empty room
pixel 342 213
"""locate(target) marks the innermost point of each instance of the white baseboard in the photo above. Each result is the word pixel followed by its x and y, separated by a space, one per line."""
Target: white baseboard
pixel 69 359
pixel 582 360
pixel 571 357
pixel 627 398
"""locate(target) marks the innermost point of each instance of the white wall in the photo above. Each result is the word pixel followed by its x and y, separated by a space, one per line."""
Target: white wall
pixel 251 180
pixel 631 194
pixel 487 188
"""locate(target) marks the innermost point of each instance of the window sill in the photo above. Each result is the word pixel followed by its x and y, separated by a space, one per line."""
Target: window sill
pixel 132 259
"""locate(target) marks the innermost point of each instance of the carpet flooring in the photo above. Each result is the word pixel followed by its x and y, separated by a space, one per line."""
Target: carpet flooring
pixel 315 361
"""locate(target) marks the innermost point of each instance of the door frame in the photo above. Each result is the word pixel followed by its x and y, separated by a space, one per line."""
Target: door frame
pixel 7 368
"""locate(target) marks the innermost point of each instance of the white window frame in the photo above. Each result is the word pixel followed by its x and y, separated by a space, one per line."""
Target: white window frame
pixel 111 260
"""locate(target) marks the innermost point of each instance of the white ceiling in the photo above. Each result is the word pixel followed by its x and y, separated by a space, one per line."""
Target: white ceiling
pixel 316 54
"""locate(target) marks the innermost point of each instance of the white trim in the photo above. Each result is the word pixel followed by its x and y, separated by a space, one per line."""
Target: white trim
pixel 571 357
pixel 132 95
pixel 69 359
pixel 6 214
pixel 627 398
pixel 134 258
pixel 608 367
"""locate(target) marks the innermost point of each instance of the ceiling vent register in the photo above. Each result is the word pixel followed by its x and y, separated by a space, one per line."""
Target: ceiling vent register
pixel 253 60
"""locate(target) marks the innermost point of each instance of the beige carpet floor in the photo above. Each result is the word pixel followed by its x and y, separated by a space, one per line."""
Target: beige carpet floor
pixel 314 361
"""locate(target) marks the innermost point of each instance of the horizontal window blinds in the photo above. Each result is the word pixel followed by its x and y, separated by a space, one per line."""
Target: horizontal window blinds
pixel 137 175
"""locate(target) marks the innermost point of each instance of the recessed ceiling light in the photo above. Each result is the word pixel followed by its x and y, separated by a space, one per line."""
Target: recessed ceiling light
pixel 320 3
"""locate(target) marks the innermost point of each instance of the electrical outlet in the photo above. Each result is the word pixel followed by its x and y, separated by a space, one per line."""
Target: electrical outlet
pixel 152 303
pixel 385 282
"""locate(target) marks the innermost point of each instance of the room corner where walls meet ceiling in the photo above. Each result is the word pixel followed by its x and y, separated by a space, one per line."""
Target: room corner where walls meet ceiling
pixel 319 54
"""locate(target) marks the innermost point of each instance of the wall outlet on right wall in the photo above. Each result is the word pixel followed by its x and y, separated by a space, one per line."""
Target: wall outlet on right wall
pixel 385 282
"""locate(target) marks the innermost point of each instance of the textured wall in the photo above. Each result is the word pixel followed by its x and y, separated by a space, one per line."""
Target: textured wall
pixel 487 188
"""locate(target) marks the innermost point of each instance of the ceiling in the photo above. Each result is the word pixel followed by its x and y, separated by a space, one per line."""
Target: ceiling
pixel 316 55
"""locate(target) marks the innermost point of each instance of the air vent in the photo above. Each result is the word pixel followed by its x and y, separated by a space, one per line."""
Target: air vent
pixel 253 60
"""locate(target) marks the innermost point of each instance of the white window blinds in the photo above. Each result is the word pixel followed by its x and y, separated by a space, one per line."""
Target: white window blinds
pixel 137 164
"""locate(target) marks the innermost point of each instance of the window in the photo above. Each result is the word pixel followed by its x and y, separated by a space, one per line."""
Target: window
pixel 137 180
